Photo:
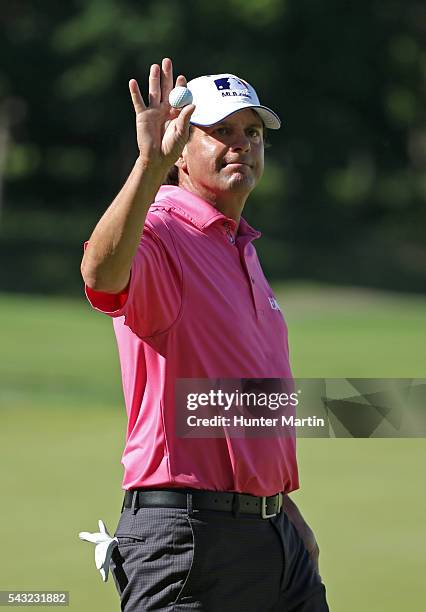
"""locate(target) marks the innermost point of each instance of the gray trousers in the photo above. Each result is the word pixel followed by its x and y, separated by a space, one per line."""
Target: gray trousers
pixel 168 559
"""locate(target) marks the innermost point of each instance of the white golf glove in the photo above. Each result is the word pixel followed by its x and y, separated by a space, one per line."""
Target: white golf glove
pixel 104 545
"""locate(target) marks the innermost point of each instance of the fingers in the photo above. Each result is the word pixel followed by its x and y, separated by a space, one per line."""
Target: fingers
pixel 174 112
pixel 154 85
pixel 160 84
pixel 180 81
pixel 138 103
pixel 166 79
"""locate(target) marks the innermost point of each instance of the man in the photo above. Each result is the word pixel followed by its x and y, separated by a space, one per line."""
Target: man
pixel 205 522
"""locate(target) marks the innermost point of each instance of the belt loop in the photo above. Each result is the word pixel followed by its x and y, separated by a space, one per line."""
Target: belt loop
pixel 189 503
pixel 134 498
pixel 236 505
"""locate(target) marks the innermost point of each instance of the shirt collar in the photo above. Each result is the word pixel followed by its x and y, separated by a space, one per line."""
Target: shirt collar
pixel 197 211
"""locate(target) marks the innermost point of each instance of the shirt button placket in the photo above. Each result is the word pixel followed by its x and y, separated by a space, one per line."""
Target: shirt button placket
pixel 229 233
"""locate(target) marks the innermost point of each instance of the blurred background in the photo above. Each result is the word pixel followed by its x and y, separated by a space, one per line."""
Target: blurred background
pixel 342 213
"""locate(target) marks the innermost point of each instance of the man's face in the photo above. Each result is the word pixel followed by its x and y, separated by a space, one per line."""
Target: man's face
pixel 226 157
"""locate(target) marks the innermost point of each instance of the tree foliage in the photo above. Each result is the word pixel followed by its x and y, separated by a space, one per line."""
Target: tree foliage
pixel 343 196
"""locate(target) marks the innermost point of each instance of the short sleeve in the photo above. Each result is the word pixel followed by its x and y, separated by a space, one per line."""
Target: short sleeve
pixel 152 300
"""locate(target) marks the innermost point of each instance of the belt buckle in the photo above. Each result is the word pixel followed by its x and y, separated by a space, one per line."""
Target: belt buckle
pixel 264 506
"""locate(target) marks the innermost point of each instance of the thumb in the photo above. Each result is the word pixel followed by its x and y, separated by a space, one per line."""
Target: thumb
pixel 182 122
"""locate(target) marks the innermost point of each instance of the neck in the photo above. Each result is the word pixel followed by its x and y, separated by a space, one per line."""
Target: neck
pixel 229 204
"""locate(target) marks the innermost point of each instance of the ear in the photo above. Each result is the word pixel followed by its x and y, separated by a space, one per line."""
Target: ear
pixel 181 162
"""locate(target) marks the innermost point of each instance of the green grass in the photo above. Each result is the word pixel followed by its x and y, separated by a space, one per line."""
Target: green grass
pixel 56 352
pixel 356 333
pixel 62 433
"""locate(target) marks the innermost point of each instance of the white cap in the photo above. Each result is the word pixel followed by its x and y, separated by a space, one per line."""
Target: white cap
pixel 217 96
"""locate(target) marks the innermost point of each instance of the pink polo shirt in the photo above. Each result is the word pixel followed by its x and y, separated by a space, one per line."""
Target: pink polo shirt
pixel 197 306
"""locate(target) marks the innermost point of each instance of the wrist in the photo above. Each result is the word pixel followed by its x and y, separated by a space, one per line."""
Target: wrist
pixel 150 170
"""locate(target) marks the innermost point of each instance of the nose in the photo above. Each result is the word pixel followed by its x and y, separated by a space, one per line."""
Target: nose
pixel 241 142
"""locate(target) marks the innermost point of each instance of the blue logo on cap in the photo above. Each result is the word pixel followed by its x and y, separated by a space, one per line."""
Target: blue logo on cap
pixel 231 86
pixel 222 84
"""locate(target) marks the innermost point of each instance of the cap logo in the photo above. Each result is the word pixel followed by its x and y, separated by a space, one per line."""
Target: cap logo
pixel 230 86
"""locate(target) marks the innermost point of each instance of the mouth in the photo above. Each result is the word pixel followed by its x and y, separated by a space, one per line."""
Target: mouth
pixel 236 165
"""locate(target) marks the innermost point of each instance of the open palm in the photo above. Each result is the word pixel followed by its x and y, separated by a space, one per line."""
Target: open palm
pixel 162 131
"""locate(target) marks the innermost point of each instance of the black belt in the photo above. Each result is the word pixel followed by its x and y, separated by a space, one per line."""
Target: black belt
pixel 195 499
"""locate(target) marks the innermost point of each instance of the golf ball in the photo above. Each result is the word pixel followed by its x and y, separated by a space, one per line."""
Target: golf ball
pixel 180 97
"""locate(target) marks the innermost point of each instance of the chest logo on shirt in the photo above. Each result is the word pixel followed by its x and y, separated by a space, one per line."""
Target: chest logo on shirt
pixel 273 303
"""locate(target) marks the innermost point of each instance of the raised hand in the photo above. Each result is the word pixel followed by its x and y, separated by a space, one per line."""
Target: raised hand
pixel 162 131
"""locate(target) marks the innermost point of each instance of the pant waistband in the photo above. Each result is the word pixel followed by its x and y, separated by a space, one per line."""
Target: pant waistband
pixel 196 499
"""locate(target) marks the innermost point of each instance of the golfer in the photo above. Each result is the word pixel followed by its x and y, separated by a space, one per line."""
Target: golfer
pixel 206 523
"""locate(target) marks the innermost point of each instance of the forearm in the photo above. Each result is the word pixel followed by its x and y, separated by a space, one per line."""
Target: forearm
pixel 108 258
pixel 161 134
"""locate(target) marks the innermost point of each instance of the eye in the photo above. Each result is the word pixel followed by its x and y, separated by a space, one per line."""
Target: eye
pixel 254 133
pixel 222 131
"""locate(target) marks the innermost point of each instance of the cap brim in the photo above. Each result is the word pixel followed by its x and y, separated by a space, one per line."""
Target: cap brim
pixel 269 118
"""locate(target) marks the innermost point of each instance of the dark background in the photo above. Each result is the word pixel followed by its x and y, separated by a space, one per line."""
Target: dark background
pixel 343 196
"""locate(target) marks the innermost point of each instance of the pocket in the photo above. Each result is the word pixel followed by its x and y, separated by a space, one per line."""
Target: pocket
pixel 185 556
pixel 125 539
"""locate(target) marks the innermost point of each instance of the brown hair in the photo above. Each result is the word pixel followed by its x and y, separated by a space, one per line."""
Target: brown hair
pixel 172 176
